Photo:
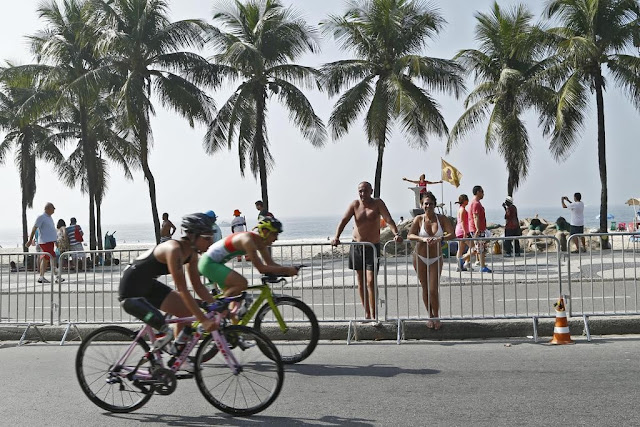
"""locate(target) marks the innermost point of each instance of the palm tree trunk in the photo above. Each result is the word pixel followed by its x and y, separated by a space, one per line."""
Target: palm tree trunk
pixel 98 202
pixel 144 152
pixel 259 142
pixel 378 177
pixel 25 236
pixel 602 155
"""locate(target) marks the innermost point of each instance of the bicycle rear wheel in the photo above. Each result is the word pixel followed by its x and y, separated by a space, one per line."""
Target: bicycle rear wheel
pixel 99 378
pixel 300 338
pixel 259 381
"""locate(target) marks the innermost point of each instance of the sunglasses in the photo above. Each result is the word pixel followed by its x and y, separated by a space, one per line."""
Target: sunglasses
pixel 207 236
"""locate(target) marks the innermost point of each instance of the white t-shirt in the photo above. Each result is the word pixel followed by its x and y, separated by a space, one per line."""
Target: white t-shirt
pixel 48 232
pixel 238 223
pixel 577 214
pixel 217 233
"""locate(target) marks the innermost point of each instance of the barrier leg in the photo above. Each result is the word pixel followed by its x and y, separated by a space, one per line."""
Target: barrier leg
pixel 24 334
pixel 400 331
pixel 585 319
pixel 350 334
pixel 535 329
pixel 66 331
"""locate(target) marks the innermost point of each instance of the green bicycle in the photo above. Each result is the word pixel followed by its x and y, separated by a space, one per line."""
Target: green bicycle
pixel 296 339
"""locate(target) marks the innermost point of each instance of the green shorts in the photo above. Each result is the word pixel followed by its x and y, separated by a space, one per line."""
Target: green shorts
pixel 213 271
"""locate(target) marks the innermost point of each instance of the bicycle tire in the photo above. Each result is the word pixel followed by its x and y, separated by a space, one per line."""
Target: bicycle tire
pixel 291 351
pixel 254 388
pixel 96 355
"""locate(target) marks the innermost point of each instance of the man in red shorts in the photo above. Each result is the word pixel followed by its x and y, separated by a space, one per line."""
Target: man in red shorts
pixel 47 238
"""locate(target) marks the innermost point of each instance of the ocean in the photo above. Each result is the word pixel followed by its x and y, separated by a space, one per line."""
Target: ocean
pixel 300 229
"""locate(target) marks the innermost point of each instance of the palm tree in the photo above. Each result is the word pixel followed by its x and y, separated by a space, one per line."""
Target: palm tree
pixel 259 41
pixel 143 50
pixel 67 64
pixel 508 70
pixel 387 37
pixel 30 134
pixel 594 33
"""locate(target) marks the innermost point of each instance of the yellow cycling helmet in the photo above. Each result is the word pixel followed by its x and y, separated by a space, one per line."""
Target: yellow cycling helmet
pixel 268 224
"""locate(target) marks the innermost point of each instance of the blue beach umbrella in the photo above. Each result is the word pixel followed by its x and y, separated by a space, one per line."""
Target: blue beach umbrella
pixel 609 216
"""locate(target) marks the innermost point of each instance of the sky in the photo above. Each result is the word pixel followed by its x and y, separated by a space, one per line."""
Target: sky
pixel 308 182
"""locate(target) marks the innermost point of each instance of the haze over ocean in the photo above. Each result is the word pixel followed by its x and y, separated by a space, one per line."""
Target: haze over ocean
pixel 321 227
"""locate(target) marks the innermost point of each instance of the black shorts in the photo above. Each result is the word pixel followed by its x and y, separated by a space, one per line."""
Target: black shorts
pixel 357 258
pixel 577 229
pixel 132 285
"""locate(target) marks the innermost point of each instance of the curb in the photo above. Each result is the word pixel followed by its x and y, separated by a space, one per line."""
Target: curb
pixel 413 330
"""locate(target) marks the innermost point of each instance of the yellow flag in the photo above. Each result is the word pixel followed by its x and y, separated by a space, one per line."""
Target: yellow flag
pixel 450 174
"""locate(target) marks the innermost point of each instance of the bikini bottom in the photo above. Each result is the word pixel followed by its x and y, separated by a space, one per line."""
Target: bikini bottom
pixel 428 261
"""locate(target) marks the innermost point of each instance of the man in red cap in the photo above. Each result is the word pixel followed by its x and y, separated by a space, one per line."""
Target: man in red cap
pixel 238 224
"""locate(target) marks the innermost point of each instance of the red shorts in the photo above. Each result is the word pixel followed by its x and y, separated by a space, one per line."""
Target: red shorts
pixel 49 248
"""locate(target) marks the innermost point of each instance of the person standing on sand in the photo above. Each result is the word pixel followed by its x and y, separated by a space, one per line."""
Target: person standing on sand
pixel 47 238
pixel 167 229
pixel 577 218
pixel 366 212
pixel 262 211
pixel 478 227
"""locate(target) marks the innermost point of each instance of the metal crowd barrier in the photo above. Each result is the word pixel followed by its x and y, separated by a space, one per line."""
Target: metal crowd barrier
pixel 598 282
pixel 524 286
pixel 604 277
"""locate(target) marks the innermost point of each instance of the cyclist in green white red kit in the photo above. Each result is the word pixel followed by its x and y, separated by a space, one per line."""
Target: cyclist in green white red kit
pixel 211 264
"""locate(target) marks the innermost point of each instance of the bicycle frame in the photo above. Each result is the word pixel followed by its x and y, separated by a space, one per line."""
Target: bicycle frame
pixel 265 295
pixel 155 356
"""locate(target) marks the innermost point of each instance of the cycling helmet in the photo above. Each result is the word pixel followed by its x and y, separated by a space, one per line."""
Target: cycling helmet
pixel 197 223
pixel 211 214
pixel 267 224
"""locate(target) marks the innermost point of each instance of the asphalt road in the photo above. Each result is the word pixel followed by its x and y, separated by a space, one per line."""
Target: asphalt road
pixel 496 383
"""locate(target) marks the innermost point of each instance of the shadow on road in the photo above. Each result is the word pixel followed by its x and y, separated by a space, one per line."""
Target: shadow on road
pixel 381 371
pixel 223 419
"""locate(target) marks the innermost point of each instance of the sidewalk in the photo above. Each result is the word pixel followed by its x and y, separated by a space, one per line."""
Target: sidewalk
pixel 413 330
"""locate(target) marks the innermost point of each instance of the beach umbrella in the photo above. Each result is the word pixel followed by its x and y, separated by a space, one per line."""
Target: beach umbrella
pixel 633 201
pixel 609 216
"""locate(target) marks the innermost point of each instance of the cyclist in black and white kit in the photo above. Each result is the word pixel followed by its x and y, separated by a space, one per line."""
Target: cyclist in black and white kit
pixel 140 277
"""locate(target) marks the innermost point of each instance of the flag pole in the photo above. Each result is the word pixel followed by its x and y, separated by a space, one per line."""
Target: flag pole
pixel 441 184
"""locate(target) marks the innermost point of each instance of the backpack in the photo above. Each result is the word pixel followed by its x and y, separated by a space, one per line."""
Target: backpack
pixel 77 234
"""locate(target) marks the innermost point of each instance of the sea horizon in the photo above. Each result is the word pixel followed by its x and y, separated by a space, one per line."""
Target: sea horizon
pixel 323 227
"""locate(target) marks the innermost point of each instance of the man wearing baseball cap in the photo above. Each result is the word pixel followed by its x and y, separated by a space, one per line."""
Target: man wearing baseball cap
pixel 238 223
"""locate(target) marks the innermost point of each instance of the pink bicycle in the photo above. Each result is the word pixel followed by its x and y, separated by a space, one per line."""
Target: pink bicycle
pixel 236 368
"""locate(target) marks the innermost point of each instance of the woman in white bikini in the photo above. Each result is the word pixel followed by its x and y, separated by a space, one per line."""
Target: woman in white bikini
pixel 429 230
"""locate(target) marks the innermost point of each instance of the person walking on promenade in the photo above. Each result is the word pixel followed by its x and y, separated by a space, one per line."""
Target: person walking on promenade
pixel 167 229
pixel 47 237
pixel 262 211
pixel 577 218
pixel 422 184
pixel 238 223
pixel 366 212
pixel 512 227
pixel 215 228
pixel 75 236
pixel 62 240
pixel 478 226
pixel 430 230
pixel 462 231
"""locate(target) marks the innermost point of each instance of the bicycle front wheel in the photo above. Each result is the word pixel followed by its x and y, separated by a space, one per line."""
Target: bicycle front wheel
pixel 104 383
pixel 300 337
pixel 254 387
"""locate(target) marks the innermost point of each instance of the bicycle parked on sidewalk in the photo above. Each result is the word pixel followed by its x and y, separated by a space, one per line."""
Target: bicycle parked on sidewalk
pixel 270 311
pixel 120 370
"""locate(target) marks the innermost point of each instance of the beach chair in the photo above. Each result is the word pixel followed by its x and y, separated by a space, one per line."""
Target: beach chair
pixel 634 238
pixel 622 226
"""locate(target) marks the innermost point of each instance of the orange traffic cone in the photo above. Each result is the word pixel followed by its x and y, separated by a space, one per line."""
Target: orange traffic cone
pixel 561 333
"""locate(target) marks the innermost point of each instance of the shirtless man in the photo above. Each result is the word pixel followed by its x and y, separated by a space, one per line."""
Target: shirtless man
pixel 367 212
pixel 167 229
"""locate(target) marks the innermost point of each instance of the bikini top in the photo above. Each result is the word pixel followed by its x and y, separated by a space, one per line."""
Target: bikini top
pixel 438 233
